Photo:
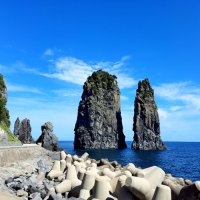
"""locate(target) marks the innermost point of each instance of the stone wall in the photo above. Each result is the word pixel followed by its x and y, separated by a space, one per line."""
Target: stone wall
pixel 9 155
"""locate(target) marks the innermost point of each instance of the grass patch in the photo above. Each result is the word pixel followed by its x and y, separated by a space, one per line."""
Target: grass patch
pixel 11 137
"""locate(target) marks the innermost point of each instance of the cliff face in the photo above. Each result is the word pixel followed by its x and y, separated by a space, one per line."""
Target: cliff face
pixel 4 114
pixel 99 122
pixel 22 130
pixel 146 125
pixel 5 133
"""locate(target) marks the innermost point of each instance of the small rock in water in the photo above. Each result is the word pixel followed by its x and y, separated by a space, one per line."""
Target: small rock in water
pixel 48 139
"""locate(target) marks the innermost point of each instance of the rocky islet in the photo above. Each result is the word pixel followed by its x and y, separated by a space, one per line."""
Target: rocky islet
pixel 48 139
pixel 22 130
pixel 146 125
pixel 99 121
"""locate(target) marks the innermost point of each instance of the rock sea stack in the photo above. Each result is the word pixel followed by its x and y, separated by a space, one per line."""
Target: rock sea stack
pixel 99 121
pixel 48 139
pixel 22 130
pixel 146 124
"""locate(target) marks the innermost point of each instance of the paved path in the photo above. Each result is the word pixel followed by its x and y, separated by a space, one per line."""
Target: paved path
pixel 22 146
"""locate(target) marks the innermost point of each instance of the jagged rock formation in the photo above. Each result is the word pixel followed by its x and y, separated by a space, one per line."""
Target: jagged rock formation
pixel 22 130
pixel 47 139
pixel 5 133
pixel 146 125
pixel 99 122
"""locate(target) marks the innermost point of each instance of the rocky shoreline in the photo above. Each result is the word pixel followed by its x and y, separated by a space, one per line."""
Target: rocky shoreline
pixel 60 176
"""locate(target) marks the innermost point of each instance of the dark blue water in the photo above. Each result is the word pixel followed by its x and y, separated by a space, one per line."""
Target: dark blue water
pixel 182 159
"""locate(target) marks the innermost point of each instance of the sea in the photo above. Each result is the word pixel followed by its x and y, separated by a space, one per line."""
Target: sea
pixel 181 159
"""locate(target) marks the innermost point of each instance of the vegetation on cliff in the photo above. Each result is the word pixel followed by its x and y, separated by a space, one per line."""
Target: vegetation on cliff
pixel 4 113
pixel 5 133
pixel 101 79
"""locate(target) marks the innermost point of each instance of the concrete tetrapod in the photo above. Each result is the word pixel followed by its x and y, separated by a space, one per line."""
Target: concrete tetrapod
pixel 77 165
pixel 72 176
pixel 108 172
pixel 81 174
pixel 175 188
pixel 121 191
pixel 162 192
pixel 101 189
pixel 191 192
pixel 88 162
pixel 127 173
pixel 63 155
pixel 85 156
pixel 63 165
pixel 68 158
pixel 88 181
pixel 56 165
pixel 84 194
pixel 143 172
pixel 140 187
pixel 131 167
pixel 155 175
pixel 54 174
pixel 55 171
pixel 117 183
pixel 87 184
pixel 64 186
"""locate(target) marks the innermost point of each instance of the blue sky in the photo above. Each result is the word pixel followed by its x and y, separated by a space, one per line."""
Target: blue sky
pixel 48 48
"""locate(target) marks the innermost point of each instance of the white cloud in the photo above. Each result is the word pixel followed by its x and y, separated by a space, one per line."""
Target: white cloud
pixel 48 52
pixel 23 88
pixel 181 112
pixel 185 92
pixel 5 69
pixel 76 71
pixel 175 108
pixel 123 97
pixel 125 81
pixel 68 93
pixel 162 113
pixel 71 70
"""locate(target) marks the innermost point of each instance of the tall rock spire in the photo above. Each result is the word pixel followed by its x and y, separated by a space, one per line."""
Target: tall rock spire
pixel 22 130
pixel 99 122
pixel 146 124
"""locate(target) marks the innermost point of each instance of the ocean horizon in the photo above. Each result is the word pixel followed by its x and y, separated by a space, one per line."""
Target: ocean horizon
pixel 181 159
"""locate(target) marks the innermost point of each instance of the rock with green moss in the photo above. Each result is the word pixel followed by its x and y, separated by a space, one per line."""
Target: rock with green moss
pixel 99 122
pixel 146 125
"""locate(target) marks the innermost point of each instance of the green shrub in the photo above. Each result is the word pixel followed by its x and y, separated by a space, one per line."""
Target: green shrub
pixel 101 78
